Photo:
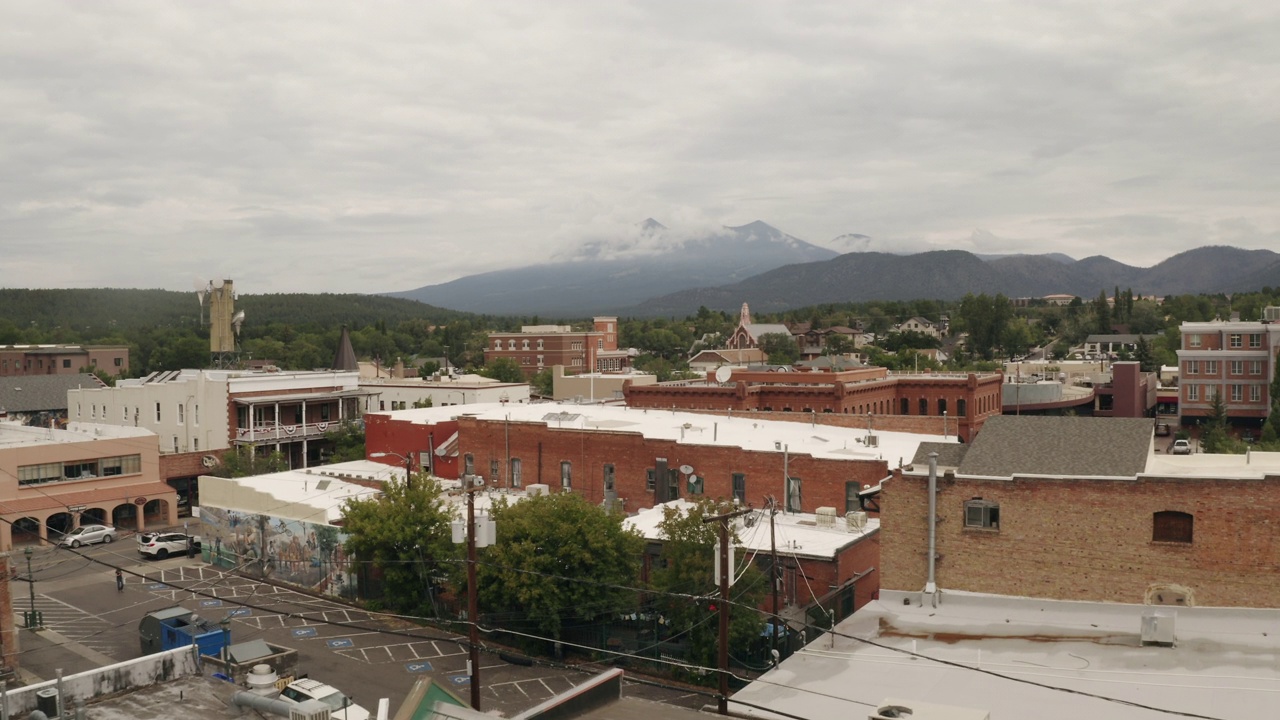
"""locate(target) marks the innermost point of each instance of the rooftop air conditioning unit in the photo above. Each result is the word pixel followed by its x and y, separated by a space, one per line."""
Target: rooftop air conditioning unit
pixel 873 441
pixel 856 520
pixel 825 516
pixel 1157 628
pixel 311 710
pixel 537 489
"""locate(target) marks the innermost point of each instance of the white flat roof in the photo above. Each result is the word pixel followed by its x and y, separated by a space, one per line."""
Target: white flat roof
pixel 1223 663
pixel 316 489
pixel 1253 465
pixel 15 435
pixel 797 534
pixel 798 437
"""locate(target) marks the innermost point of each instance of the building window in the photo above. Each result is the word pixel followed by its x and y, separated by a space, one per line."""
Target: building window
pixel 516 475
pixel 673 483
pixel 650 480
pixel 540 360
pixel 600 344
pixel 382 404
pixel 124 413
pixel 1211 367
pixel 325 411
pixel 566 474
pixel 1255 367
pixel 1255 393
pixel 906 407
pixel 181 414
pixel 794 498
pixel 66 363
pixel 961 407
pixel 195 444
pixel 609 478
pixel 1255 340
pixel 575 345
pixel 740 487
pixel 695 485
pixel 468 464
pixel 1193 340
pixel 979 513
pixel 497 344
pixel 119 362
pixel 1193 392
pixel 924 406
pixel 175 443
pixel 157 412
pixel 1193 367
pixel 1235 341
pixel 1171 526
pixel 1237 367
pixel 197 415
pixel 942 406
pixel 541 344
pixel 1237 393
pixel 524 344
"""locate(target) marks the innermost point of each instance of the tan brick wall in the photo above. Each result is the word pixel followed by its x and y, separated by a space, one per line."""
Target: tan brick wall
pixel 1076 539
pixel 8 636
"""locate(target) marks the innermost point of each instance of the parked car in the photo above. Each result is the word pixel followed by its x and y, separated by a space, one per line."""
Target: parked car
pixel 88 535
pixel 341 706
pixel 1181 447
pixel 162 545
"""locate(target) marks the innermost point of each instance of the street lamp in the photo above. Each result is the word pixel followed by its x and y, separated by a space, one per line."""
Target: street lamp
pixel 31 583
pixel 408 464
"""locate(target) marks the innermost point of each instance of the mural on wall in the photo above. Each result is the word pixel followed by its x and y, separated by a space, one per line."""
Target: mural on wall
pixel 304 554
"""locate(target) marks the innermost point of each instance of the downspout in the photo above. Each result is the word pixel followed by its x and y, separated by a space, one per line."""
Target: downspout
pixel 931 587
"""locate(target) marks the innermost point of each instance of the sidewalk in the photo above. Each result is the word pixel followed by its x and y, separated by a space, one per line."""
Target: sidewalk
pixel 43 652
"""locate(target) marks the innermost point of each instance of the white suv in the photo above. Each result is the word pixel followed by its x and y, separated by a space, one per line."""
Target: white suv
pixel 340 706
pixel 162 545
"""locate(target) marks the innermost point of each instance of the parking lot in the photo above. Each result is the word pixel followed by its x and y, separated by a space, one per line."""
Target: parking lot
pixel 368 655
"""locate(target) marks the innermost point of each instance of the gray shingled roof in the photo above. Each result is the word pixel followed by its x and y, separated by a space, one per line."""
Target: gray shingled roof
pixel 1059 446
pixel 38 393
pixel 949 454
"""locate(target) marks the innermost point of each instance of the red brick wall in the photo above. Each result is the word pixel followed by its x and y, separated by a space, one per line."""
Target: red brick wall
pixel 178 465
pixel 541 449
pixel 1089 539
pixel 383 434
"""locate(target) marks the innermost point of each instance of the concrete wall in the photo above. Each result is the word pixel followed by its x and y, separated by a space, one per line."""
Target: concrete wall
pixel 130 675
pixel 1088 539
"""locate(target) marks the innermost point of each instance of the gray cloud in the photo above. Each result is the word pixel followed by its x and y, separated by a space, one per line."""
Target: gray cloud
pixel 367 148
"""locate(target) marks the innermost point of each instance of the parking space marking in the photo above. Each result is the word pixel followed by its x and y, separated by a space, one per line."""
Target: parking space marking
pixel 418 667
pixel 340 643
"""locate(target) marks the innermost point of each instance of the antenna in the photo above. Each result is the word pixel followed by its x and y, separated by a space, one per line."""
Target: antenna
pixel 237 321
pixel 202 289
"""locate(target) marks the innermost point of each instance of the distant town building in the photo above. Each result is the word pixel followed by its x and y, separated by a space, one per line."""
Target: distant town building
pixel 1234 361
pixel 748 333
pixel 63 359
pixel 39 399
pixel 539 347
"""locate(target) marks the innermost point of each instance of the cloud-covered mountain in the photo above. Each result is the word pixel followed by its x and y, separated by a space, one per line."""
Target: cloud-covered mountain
pixel 609 274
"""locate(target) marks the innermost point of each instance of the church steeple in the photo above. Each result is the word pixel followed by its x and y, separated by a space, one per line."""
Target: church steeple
pixel 745 317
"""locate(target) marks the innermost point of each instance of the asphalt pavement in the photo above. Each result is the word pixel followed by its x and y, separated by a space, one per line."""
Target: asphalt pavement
pixel 88 624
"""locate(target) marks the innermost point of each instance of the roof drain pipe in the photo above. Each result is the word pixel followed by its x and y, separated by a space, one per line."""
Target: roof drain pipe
pixel 931 587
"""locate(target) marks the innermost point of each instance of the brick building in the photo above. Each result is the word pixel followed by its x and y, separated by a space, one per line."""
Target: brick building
pixel 639 458
pixel 1076 508
pixel 63 359
pixel 965 399
pixel 823 560
pixel 538 347
pixel 1233 360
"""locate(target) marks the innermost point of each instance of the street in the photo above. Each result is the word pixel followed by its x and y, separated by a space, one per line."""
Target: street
pixel 367 655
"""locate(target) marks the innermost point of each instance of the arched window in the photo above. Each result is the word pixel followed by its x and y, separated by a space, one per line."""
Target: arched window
pixel 924 406
pixel 1171 526
pixel 942 406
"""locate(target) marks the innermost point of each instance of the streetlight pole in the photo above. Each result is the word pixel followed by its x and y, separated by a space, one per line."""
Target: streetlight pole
pixel 408 464
pixel 31 584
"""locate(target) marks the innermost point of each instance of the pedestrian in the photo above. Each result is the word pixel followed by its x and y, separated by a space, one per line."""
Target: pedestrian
pixel 119 581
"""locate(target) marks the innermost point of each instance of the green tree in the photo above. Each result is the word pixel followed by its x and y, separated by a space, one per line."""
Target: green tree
pixel 1214 438
pixel 1101 314
pixel 244 462
pixel 348 442
pixel 543 383
pixel 559 561
pixel 404 532
pixel 780 348
pixel 503 370
pixel 1146 356
pixel 427 369
pixel 838 345
pixel 688 587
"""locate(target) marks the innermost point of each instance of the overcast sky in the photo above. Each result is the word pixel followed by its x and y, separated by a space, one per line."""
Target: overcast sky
pixel 373 147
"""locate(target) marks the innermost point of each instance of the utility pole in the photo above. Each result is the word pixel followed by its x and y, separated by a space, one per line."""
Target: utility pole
pixel 725 571
pixel 472 603
pixel 774 575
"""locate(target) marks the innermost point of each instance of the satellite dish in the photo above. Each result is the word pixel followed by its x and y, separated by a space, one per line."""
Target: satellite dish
pixel 686 469
pixel 723 373
pixel 219 283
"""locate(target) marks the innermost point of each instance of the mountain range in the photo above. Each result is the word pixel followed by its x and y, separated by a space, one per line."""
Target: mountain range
pixel 774 271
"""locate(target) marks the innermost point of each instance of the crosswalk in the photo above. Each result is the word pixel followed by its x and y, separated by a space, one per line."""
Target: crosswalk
pixel 73 623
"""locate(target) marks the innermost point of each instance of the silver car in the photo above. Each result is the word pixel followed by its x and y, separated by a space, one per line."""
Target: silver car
pixel 88 535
